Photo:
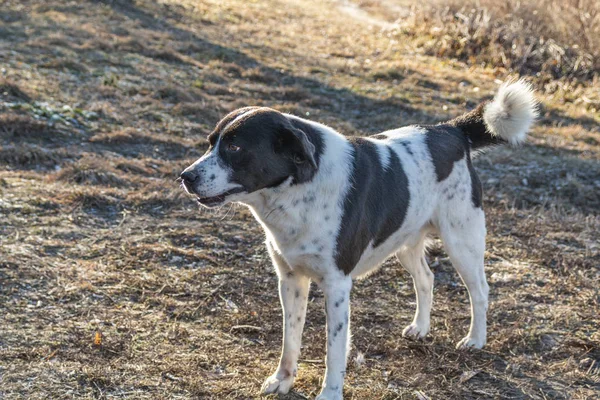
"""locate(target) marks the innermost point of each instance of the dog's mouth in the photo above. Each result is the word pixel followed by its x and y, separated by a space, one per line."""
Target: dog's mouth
pixel 214 201
pixel 211 201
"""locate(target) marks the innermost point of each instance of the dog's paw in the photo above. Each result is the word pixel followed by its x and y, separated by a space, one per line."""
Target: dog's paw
pixel 330 394
pixel 469 342
pixel 278 383
pixel 414 331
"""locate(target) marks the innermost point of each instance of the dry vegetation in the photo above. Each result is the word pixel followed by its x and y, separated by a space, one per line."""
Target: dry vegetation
pixel 556 39
pixel 113 283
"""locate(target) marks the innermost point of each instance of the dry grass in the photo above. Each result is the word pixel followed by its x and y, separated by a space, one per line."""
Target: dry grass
pixel 114 284
pixel 10 90
pixel 91 170
pixel 557 38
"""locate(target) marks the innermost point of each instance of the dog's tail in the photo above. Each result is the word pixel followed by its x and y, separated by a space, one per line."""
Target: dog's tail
pixel 505 119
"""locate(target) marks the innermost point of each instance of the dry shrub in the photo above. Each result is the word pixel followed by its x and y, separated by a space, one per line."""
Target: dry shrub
pixel 556 37
pixel 175 94
pixel 66 64
pixel 167 55
pixel 14 126
pixel 158 196
pixel 12 91
pixel 90 198
pixel 389 74
pixel 199 112
pixel 259 74
pixel 129 45
pixel 31 156
pixel 294 93
pixel 133 143
pixel 134 167
pixel 188 108
pixel 232 69
pixel 91 170
pixel 125 136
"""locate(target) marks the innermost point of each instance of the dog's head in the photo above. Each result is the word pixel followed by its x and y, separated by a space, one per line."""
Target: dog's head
pixel 252 148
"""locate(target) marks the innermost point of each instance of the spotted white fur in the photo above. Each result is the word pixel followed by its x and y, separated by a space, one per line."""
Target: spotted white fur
pixel 217 174
pixel 302 222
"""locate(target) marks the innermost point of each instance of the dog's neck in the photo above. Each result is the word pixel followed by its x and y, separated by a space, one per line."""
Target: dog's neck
pixel 298 209
pixel 278 209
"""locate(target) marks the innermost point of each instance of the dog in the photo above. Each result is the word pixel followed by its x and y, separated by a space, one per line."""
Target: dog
pixel 334 208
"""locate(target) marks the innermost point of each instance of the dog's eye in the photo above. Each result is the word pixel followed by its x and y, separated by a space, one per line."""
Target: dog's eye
pixel 233 148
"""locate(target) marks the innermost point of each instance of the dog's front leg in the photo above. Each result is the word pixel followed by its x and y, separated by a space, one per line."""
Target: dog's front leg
pixel 293 293
pixel 337 306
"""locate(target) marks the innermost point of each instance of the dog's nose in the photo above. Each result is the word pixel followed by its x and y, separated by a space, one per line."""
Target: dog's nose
pixel 188 176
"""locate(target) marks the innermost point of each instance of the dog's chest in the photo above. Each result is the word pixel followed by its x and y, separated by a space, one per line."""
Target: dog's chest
pixel 305 235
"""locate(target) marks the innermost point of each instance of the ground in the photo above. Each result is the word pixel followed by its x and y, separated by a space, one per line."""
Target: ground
pixel 113 283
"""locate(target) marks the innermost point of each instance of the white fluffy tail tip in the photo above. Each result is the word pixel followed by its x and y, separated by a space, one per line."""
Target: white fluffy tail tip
pixel 512 111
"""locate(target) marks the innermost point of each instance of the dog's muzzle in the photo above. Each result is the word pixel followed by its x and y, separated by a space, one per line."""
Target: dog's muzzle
pixel 189 181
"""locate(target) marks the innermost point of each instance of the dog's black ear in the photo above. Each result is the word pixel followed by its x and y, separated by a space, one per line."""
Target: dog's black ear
pixel 295 144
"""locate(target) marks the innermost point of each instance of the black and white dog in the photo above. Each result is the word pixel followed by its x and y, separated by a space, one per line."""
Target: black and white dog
pixel 334 208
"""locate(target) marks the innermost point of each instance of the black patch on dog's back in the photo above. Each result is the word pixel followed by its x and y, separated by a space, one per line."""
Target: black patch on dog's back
pixel 396 197
pixel 447 145
pixel 375 205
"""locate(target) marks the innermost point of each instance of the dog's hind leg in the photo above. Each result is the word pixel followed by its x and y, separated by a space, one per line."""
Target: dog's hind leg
pixel 464 240
pixel 293 293
pixel 413 260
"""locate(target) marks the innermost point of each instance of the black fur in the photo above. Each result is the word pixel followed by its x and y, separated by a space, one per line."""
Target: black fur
pixel 474 128
pixel 313 135
pixel 476 187
pixel 273 148
pixel 447 145
pixel 450 141
pixel 375 205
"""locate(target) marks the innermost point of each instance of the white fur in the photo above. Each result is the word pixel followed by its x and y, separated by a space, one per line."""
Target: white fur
pixel 302 222
pixel 512 111
pixel 218 176
pixel 302 238
pixel 281 210
pixel 421 183
pixel 382 152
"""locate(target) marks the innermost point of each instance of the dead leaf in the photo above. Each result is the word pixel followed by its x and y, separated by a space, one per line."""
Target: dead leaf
pixel 98 339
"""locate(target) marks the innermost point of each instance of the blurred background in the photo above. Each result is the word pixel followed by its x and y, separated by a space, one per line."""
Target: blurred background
pixel 114 284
